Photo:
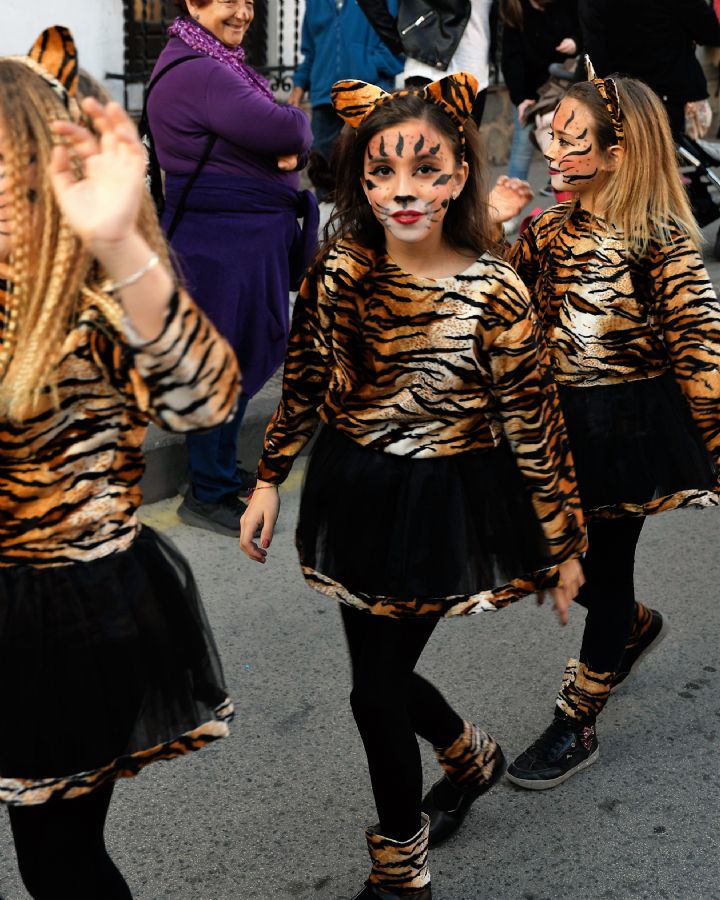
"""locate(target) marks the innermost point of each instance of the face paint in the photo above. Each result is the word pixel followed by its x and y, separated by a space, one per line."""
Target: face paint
pixel 575 162
pixel 409 177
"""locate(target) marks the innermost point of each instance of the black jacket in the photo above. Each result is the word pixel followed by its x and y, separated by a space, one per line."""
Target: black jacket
pixel 653 40
pixel 527 53
pixel 428 31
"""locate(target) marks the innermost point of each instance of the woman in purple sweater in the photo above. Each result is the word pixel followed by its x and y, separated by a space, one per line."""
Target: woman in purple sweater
pixel 235 230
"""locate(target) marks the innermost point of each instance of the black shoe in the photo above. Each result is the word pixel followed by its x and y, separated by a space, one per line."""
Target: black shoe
pixel 653 637
pixel 368 893
pixel 246 482
pixel 563 749
pixel 447 814
pixel 222 517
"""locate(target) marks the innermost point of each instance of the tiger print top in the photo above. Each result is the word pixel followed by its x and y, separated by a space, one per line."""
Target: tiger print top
pixel 425 368
pixel 609 317
pixel 69 475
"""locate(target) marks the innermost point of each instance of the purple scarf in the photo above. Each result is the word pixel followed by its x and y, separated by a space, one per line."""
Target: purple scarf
pixel 200 39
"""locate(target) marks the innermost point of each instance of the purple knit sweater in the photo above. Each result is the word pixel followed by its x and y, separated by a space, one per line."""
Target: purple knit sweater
pixel 202 96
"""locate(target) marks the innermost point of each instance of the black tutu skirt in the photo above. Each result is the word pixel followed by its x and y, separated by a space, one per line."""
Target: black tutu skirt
pixel 637 449
pixel 399 536
pixel 105 666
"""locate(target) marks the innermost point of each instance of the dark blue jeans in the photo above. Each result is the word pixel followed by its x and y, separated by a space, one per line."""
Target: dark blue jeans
pixel 326 126
pixel 213 459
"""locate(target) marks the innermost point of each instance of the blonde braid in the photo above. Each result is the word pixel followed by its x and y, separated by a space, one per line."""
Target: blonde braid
pixel 52 276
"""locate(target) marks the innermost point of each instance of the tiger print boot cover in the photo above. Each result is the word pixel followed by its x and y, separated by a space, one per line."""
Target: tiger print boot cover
pixel 399 868
pixel 642 621
pixel 471 760
pixel 583 693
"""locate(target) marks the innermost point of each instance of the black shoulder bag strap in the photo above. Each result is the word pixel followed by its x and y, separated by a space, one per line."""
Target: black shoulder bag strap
pixel 153 162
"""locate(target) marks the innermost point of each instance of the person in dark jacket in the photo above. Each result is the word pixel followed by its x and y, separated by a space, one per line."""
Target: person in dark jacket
pixel 536 33
pixel 656 44
pixel 337 42
pixel 442 37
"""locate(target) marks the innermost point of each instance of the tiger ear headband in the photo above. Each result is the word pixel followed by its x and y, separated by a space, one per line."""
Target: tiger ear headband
pixel 53 57
pixel 607 89
pixel 354 101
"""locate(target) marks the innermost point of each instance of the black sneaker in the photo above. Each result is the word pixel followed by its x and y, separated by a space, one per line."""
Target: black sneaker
pixel 562 750
pixel 653 636
pixel 247 481
pixel 222 517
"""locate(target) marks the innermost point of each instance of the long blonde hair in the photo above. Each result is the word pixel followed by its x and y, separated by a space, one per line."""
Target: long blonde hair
pixel 644 198
pixel 52 276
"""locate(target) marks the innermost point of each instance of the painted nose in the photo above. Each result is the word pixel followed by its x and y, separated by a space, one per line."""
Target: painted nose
pixel 404 200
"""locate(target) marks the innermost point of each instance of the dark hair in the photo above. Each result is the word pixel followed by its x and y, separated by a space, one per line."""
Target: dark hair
pixel 467 222
pixel 511 12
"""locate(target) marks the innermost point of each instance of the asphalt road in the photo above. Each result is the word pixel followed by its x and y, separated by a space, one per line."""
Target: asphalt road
pixel 276 811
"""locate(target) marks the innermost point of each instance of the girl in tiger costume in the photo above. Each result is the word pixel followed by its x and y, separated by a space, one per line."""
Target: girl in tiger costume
pixel 633 327
pixel 441 482
pixel 106 660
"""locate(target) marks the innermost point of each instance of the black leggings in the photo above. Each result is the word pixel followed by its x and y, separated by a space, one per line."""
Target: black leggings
pixel 391 704
pixel 609 590
pixel 61 851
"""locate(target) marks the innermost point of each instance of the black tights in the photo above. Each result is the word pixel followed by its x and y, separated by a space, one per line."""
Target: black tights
pixel 391 704
pixel 61 851
pixel 609 590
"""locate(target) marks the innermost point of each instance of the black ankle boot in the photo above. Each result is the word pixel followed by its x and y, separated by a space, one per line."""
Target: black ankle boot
pixel 473 764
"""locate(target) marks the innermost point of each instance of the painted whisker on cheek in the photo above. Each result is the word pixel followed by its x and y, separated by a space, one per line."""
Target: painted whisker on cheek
pixel 571 179
pixel 370 185
pixel 586 152
pixel 441 179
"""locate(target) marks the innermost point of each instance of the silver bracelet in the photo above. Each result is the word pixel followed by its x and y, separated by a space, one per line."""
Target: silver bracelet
pixel 112 287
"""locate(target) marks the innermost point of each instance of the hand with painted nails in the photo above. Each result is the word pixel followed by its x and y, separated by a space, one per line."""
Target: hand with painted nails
pixel 99 180
pixel 508 198
pixel 261 515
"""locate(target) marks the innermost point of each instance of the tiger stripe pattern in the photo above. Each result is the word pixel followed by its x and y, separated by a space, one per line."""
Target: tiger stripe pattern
pixel 69 476
pixel 583 693
pixel 610 318
pixel 471 760
pixel 425 368
pixel 31 792
pixel 399 866
pixel 55 51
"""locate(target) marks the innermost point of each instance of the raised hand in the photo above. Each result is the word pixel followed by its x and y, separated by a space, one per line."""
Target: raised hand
pixel 99 182
pixel 508 198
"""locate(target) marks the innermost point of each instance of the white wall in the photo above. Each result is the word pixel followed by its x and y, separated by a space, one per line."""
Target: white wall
pixel 97 26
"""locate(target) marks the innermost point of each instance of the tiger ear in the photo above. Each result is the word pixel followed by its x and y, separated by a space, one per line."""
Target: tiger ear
pixel 454 94
pixel 589 69
pixel 355 100
pixel 55 51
